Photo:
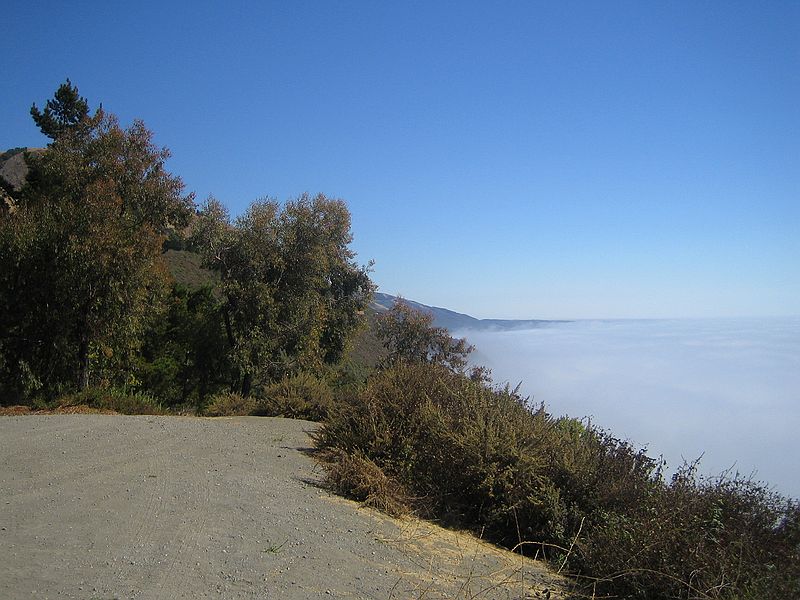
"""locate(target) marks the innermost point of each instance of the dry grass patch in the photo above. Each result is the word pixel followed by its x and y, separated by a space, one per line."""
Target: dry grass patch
pixel 474 568
pixel 358 478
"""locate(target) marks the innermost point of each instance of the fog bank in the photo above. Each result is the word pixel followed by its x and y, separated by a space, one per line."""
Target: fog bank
pixel 727 389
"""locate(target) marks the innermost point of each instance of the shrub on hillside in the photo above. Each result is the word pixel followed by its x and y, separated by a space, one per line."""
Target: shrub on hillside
pixel 136 403
pixel 300 396
pixel 229 405
pixel 716 538
pixel 357 477
pixel 483 457
pixel 348 378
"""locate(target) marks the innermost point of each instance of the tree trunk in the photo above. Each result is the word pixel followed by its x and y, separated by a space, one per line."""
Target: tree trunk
pixel 185 386
pixel 232 342
pixel 247 383
pixel 83 361
pixel 228 328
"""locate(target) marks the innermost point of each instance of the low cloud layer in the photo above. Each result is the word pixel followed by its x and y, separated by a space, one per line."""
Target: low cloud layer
pixel 727 389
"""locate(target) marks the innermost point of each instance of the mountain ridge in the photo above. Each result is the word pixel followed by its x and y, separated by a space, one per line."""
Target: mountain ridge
pixel 456 321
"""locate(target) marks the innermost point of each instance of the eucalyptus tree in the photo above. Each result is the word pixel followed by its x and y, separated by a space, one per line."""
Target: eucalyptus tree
pixel 80 256
pixel 293 294
pixel 410 336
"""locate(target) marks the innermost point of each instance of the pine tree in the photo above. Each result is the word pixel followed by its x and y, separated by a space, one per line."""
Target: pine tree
pixel 65 111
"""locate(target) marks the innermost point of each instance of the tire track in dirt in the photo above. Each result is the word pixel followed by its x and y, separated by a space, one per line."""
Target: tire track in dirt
pixel 151 478
pixel 179 569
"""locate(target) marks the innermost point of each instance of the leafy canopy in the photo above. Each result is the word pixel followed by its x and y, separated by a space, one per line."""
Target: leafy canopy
pixel 80 268
pixel 293 293
pixel 410 336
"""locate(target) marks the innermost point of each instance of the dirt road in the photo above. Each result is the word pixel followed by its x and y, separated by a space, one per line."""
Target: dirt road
pixel 101 506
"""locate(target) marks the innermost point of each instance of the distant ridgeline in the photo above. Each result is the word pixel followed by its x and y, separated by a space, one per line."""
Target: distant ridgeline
pixel 454 321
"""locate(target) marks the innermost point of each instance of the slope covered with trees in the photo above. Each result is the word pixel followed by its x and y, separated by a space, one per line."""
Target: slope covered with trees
pixel 87 301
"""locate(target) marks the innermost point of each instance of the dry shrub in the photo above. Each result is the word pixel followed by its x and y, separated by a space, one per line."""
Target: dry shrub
pixel 357 477
pixel 482 457
pixel 700 538
pixel 110 399
pixel 229 405
pixel 15 410
pixel 474 454
pixel 300 396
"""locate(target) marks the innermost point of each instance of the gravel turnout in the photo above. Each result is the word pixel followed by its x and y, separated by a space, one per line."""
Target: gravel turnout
pixel 107 506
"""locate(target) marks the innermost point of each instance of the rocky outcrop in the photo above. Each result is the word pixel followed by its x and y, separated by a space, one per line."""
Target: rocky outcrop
pixel 13 168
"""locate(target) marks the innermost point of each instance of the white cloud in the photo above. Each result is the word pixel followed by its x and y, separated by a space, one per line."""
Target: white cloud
pixel 725 388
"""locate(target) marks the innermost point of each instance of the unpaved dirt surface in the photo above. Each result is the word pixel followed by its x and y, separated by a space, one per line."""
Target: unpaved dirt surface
pixel 104 506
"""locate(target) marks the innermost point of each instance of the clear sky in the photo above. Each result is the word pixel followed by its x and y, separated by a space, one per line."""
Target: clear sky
pixel 504 159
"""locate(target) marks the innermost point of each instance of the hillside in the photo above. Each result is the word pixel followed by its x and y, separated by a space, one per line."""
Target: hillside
pixel 187 270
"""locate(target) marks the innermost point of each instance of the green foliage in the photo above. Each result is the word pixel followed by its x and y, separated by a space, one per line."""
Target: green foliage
pixel 85 296
pixel 162 377
pixel 65 111
pixel 367 350
pixel 480 456
pixel 348 378
pixel 81 276
pixel 409 335
pixel 183 359
pixel 293 295
pixel 300 396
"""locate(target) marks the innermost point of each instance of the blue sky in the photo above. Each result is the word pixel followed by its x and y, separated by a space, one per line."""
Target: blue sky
pixel 504 159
